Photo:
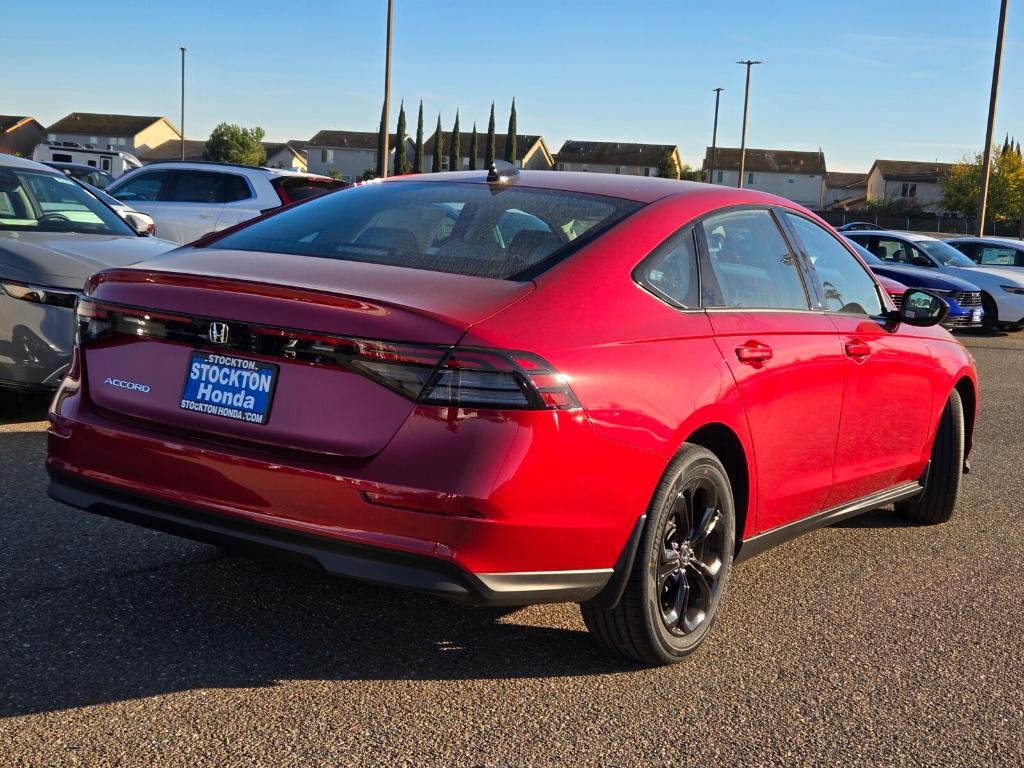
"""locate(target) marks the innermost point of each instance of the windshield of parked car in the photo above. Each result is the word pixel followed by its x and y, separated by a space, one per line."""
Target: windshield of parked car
pixel 34 201
pixel 484 230
pixel 944 253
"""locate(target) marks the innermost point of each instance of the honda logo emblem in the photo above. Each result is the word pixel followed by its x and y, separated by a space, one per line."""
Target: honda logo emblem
pixel 218 333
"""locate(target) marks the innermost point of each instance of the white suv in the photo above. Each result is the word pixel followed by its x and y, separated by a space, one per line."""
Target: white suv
pixel 190 200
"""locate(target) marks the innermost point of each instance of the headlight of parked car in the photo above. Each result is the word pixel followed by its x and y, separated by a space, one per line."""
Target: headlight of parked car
pixel 1013 289
pixel 40 294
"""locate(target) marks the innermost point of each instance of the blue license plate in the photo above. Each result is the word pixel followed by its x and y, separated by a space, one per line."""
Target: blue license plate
pixel 230 387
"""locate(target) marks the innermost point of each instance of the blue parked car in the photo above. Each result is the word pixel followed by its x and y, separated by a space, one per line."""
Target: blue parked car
pixel 964 298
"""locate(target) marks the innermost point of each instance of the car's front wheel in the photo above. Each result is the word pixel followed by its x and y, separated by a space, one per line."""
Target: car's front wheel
pixel 681 568
pixel 937 501
pixel 990 316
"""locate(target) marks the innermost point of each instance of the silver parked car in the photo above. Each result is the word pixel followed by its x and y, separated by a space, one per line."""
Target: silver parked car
pixel 53 236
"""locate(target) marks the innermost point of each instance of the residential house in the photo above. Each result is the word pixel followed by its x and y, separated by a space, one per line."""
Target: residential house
pixel 348 154
pixel 531 151
pixel 846 191
pixel 19 135
pixel 123 133
pixel 289 155
pixel 915 183
pixel 171 150
pixel 614 157
pixel 797 176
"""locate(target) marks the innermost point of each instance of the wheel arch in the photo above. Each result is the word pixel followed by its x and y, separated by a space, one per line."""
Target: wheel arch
pixel 722 441
pixel 969 397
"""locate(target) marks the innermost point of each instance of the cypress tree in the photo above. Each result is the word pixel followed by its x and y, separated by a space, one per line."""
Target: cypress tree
pixel 382 162
pixel 474 149
pixel 438 146
pixel 489 150
pixel 510 140
pixel 401 160
pixel 454 149
pixel 417 164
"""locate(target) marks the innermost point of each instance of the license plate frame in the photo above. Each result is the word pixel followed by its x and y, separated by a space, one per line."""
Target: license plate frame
pixel 231 403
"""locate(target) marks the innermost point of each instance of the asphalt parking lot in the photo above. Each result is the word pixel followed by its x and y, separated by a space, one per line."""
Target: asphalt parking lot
pixel 872 642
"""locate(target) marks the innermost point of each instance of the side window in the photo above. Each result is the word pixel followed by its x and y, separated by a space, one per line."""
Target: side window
pixel 142 188
pixel 751 262
pixel 236 188
pixel 996 256
pixel 196 187
pixel 670 271
pixel 847 286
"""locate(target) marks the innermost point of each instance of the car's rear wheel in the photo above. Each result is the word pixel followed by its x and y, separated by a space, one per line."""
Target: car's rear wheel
pixel 989 320
pixel 937 501
pixel 681 568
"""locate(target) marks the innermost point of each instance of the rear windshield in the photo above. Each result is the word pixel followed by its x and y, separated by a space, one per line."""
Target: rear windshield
pixel 468 229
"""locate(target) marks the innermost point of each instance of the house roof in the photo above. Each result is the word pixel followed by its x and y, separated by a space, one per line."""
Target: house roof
pixel 524 143
pixel 613 152
pixel 842 180
pixel 767 160
pixel 296 147
pixel 9 122
pixel 171 150
pixel 347 140
pixel 105 125
pixel 911 170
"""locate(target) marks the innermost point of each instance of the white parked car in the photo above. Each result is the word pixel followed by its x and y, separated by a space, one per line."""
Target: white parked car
pixel 190 200
pixel 991 251
pixel 1002 288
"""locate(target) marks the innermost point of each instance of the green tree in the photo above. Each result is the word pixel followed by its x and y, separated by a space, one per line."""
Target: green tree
pixel 382 160
pixel 474 149
pixel 510 140
pixel 438 147
pixel 230 143
pixel 455 148
pixel 417 163
pixel 401 161
pixel 961 188
pixel 489 148
pixel 668 168
pixel 368 174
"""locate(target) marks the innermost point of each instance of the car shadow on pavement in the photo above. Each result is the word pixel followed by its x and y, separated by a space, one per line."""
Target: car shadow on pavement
pixel 235 622
pixel 886 517
pixel 20 407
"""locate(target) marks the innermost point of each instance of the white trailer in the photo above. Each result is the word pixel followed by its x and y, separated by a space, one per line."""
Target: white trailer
pixel 113 162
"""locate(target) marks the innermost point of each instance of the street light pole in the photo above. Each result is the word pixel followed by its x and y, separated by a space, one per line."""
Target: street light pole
pixel 746 102
pixel 986 163
pixel 714 138
pixel 387 91
pixel 183 103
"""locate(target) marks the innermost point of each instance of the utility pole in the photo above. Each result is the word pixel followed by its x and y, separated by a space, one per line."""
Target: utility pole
pixel 387 91
pixel 986 164
pixel 714 138
pixel 183 103
pixel 746 102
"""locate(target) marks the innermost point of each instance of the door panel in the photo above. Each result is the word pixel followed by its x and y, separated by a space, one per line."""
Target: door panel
pixel 886 408
pixel 792 401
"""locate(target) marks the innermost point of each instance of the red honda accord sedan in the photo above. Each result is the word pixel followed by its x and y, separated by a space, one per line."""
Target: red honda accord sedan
pixel 520 388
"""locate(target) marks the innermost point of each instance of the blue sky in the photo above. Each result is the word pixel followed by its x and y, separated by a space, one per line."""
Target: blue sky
pixel 900 79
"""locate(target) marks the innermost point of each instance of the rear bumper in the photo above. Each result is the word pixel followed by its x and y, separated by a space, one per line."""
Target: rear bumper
pixel 373 564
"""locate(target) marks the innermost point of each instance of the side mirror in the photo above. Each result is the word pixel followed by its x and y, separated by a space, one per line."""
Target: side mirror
pixel 922 309
pixel 142 223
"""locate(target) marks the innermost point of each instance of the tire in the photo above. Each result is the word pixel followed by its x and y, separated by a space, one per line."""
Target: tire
pixel 990 320
pixel 684 558
pixel 937 501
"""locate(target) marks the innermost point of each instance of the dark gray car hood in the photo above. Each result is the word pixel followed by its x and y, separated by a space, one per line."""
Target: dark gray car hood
pixel 66 259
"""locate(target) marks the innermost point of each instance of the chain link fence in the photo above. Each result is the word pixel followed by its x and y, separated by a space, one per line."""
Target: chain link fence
pixel 932 224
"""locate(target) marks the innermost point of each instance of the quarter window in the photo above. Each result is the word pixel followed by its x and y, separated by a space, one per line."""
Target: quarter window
pixel 751 263
pixel 670 272
pixel 235 188
pixel 846 285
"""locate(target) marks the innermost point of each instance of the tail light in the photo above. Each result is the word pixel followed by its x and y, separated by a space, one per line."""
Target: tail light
pixel 463 377
pixel 39 294
pixel 486 378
